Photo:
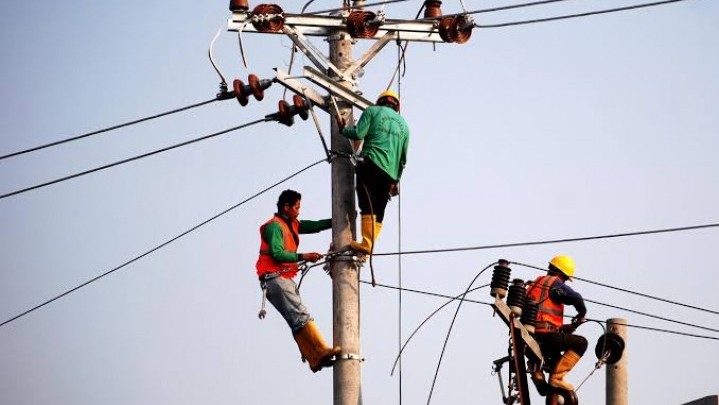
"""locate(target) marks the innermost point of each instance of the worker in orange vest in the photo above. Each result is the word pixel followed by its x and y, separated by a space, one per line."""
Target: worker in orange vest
pixel 552 293
pixel 277 266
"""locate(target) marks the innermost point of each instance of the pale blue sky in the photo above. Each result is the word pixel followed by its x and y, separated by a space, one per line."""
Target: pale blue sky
pixel 582 127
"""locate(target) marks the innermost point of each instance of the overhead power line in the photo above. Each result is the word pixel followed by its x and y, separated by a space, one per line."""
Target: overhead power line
pixel 160 246
pixel 590 13
pixel 100 131
pixel 640 294
pixel 489 304
pixel 550 241
pixel 144 155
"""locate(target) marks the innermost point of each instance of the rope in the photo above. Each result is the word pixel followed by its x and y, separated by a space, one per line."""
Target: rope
pixel 126 124
pixel 120 162
pixel 92 280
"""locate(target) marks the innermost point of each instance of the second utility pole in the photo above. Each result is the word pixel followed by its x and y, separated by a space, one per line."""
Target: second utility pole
pixel 345 274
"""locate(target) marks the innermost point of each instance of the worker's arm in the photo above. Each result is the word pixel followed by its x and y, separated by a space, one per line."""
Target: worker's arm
pixel 360 131
pixel 307 226
pixel 273 236
pixel 403 157
pixel 564 294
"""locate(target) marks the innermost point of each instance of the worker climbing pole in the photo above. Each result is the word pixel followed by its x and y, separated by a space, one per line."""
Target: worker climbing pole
pixel 534 312
pixel 337 76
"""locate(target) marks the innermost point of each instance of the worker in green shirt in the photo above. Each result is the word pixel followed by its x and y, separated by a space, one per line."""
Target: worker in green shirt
pixel 385 137
pixel 277 266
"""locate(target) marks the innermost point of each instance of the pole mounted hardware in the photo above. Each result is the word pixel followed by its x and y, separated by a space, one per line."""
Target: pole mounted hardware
pixel 255 87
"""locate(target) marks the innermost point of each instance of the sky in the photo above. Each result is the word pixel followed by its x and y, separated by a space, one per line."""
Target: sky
pixel 582 127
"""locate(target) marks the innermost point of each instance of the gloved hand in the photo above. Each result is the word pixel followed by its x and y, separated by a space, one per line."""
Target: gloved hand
pixel 311 257
pixel 576 321
pixel 394 189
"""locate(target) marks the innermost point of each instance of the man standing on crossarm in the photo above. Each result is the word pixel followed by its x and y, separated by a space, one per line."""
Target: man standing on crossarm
pixel 385 136
pixel 277 266
pixel 552 293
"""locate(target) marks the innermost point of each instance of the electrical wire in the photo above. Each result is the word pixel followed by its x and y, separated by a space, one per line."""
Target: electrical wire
pixel 552 241
pixel 144 155
pixel 564 17
pixel 158 247
pixel 644 295
pixel 432 294
pixel 126 124
pixel 449 330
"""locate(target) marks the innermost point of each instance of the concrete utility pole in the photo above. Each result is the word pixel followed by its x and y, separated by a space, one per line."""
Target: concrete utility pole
pixel 617 372
pixel 345 274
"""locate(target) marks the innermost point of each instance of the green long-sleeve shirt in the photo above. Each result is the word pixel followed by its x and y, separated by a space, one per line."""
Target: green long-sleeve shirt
pixel 272 234
pixel 386 138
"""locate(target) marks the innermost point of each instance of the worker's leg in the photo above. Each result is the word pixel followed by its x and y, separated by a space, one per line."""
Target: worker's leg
pixel 372 196
pixel 573 347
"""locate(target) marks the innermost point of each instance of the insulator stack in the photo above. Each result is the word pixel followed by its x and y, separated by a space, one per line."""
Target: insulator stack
pixel 432 8
pixel 359 26
pixel 517 296
pixel 529 314
pixel 500 279
pixel 287 112
pixel 255 87
pixel 268 18
pixel 610 345
pixel 456 29
pixel 239 5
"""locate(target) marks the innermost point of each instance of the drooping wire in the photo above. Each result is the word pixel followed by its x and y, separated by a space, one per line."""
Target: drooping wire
pixel 449 330
pixel 100 131
pixel 399 257
pixel 590 13
pixel 653 297
pixel 426 319
pixel 144 155
pixel 553 241
pixel 651 328
pixel 158 247
pixel 401 59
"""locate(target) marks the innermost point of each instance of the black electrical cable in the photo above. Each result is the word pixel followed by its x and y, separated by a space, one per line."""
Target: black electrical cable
pixel 163 244
pixel 144 155
pixel 126 124
pixel 590 13
pixel 379 3
pixel 552 241
pixel 489 304
pixel 653 297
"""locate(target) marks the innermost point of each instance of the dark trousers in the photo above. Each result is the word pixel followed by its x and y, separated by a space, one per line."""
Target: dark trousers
pixel 373 186
pixel 555 343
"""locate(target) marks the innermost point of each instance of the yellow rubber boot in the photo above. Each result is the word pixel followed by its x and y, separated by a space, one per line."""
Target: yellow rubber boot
pixel 314 349
pixel 370 232
pixel 564 366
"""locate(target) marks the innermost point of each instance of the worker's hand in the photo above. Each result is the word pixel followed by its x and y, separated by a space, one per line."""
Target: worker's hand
pixel 341 123
pixel 311 257
pixel 577 320
pixel 394 189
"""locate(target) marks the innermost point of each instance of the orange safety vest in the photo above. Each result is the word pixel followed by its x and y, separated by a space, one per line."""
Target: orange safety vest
pixel 550 315
pixel 266 263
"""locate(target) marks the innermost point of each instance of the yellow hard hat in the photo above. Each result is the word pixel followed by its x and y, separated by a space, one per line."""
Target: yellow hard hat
pixel 388 93
pixel 565 264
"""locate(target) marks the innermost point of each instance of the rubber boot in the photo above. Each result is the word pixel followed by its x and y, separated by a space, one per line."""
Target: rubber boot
pixel 313 348
pixel 370 232
pixel 564 366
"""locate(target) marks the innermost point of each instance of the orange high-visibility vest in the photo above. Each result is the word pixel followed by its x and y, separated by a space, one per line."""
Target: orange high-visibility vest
pixel 266 263
pixel 549 312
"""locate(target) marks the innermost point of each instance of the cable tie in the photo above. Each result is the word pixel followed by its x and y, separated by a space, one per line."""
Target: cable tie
pixel 350 356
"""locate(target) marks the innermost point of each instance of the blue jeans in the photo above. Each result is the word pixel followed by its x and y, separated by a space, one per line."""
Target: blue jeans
pixel 285 297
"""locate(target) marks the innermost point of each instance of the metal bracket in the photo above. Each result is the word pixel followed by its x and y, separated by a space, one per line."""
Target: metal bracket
pixel 371 53
pixel 503 310
pixel 286 80
pixel 336 89
pixel 313 53
pixel 350 356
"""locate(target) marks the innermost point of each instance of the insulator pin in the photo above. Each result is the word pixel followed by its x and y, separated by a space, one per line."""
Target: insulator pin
pixel 255 87
pixel 517 296
pixel 239 5
pixel 456 29
pixel 432 8
pixel 529 314
pixel 268 18
pixel 360 24
pixel 500 279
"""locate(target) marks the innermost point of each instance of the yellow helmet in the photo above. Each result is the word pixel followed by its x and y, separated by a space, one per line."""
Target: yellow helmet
pixel 388 93
pixel 565 264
